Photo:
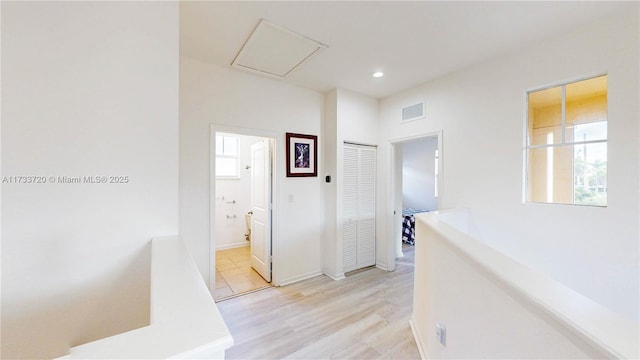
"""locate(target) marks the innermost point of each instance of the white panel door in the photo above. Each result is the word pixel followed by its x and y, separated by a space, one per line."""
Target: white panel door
pixel 359 207
pixel 261 208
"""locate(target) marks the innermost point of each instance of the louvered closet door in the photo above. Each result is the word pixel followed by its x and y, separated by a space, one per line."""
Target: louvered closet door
pixel 359 205
pixel 367 207
pixel 350 208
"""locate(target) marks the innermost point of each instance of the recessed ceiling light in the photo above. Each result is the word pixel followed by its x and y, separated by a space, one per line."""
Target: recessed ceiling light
pixel 378 74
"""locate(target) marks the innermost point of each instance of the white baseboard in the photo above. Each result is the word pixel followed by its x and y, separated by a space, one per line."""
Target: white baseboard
pixel 335 277
pixel 382 267
pixel 233 246
pixel 300 277
pixel 416 336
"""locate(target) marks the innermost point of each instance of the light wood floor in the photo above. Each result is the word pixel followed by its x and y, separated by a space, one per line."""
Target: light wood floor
pixel 234 274
pixel 365 316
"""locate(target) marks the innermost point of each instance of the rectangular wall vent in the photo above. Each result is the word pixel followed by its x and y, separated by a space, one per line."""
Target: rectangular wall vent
pixel 413 112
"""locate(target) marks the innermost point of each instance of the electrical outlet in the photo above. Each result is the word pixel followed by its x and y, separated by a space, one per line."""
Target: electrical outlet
pixel 441 334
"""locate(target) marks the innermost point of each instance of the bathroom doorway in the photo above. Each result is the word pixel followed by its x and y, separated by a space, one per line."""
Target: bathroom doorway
pixel 242 168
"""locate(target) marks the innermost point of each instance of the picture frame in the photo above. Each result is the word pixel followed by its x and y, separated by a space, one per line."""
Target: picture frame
pixel 302 155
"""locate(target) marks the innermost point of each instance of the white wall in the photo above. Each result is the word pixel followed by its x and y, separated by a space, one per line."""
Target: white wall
pixel 481 112
pixel 494 308
pixel 233 199
pixel 87 90
pixel 418 174
pixel 350 117
pixel 357 118
pixel 212 94
pixel 331 251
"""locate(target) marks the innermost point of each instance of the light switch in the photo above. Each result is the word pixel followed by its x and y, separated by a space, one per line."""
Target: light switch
pixel 441 334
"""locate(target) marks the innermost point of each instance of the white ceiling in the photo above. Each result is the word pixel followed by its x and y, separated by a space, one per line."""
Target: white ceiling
pixel 412 42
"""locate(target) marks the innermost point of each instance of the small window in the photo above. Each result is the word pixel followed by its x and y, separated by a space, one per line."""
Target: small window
pixel 566 147
pixel 227 157
pixel 435 171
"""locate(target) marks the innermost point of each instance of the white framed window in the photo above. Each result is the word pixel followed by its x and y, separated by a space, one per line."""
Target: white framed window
pixel 566 144
pixel 227 157
pixel 436 175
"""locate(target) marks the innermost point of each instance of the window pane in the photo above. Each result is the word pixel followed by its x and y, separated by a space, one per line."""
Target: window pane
pixel 230 146
pixel 550 175
pixel 569 174
pixel 545 115
pixel 590 174
pixel 590 131
pixel 219 145
pixel 586 104
pixel 226 167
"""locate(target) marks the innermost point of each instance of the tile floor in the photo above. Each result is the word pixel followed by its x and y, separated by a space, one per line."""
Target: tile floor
pixel 234 274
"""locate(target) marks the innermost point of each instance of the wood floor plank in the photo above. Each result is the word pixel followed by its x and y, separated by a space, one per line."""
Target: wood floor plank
pixel 325 346
pixel 364 316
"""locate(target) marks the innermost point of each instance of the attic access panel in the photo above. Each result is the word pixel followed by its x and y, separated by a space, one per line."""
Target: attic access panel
pixel 275 51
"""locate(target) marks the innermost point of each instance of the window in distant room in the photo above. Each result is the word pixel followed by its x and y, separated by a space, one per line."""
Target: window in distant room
pixel 435 192
pixel 227 157
pixel 566 151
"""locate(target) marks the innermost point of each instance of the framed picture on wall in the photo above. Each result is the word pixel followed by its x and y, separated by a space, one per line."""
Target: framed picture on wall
pixel 302 155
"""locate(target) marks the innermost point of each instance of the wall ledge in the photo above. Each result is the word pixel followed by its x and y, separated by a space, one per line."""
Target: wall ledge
pixel 601 327
pixel 185 322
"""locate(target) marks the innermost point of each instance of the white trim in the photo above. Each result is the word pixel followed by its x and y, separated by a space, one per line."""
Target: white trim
pixel 233 246
pixel 390 211
pixel 391 187
pixel 298 278
pixel 573 143
pixel 337 277
pixel 355 143
pixel 275 137
pixel 415 137
pixel 525 151
pixel 212 209
pixel 382 266
pixel 566 82
pixel 563 113
pixel 422 349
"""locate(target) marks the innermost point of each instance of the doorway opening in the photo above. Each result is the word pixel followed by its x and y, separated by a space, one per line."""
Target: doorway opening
pixel 417 187
pixel 242 164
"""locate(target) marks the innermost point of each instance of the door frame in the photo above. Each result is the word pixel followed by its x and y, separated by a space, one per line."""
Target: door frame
pixel 395 188
pixel 273 140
